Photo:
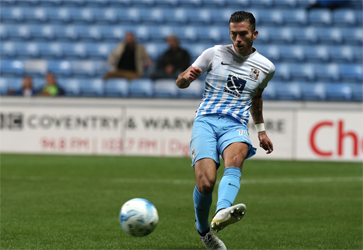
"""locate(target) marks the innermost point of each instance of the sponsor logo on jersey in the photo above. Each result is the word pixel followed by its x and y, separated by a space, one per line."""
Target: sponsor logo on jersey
pixel 235 84
pixel 254 73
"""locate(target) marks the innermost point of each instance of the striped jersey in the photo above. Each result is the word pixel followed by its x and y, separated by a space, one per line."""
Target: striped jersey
pixel 231 80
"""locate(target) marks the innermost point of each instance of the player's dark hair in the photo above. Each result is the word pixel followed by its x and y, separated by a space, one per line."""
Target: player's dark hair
pixel 241 16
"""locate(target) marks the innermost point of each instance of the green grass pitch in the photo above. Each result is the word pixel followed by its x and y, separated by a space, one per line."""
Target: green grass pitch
pixel 73 202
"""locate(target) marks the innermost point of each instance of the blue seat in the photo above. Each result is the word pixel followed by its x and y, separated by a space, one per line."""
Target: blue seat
pixel 59 15
pixel 296 17
pixel 320 17
pixel 350 72
pixel 117 87
pixel 19 32
pixel 284 35
pixel 129 15
pixel 76 3
pixel 61 68
pixel 214 3
pixel 74 50
pixel 283 71
pixel 11 15
pixel 11 67
pixel 51 50
pixel 8 49
pixel 318 53
pixel 89 32
pixel 167 3
pixel 154 15
pixel 28 50
pixel 165 88
pixel 313 91
pixel 39 83
pixel 272 52
pixel 195 90
pixel 116 33
pixel 43 32
pixel 99 51
pixel 196 49
pixel 291 4
pixel 191 3
pixel 199 16
pixel 303 72
pixel 261 3
pixel 291 53
pixel 141 88
pixel 344 17
pixel 175 15
pixel 214 34
pixel 270 17
pixel 338 92
pixel 85 69
pixel 92 87
pixel 352 36
pixel 237 4
pixel 269 93
pixel 71 87
pixel 220 16
pixel 357 92
pixel 143 33
pixel 35 15
pixel 288 91
pixel 143 3
pixel 106 15
pixel 327 72
pixel 83 15
pixel 330 35
pixel 10 83
pixel 305 35
pixel 4 35
pixel 155 50
pixel 344 53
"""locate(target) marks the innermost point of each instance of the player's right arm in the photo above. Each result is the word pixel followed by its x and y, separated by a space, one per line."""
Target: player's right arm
pixel 201 65
pixel 186 77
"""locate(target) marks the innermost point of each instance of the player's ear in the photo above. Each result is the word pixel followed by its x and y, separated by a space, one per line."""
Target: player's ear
pixel 255 34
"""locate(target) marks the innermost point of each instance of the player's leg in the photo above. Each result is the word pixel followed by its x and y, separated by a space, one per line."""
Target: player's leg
pixel 205 175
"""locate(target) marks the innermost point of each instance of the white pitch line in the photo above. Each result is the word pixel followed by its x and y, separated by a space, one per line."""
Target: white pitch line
pixel 192 182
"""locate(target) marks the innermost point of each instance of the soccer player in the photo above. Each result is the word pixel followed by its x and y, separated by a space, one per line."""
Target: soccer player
pixel 236 77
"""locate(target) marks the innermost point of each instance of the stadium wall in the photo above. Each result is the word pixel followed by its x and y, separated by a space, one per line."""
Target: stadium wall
pixel 299 130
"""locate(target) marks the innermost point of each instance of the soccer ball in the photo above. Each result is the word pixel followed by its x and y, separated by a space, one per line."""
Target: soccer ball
pixel 138 217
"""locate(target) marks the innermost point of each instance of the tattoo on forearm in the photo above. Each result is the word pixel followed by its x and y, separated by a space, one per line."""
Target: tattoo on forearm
pixel 256 109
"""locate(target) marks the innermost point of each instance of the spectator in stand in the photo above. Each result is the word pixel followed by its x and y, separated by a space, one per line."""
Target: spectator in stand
pixel 128 59
pixel 26 89
pixel 331 4
pixel 51 87
pixel 173 61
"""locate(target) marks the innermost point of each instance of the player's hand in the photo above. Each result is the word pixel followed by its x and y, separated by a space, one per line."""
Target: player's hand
pixel 265 142
pixel 193 74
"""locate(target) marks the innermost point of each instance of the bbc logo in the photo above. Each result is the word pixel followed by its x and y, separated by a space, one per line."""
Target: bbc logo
pixel 11 121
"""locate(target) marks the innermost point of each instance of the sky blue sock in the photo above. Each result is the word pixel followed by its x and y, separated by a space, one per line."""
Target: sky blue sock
pixel 202 203
pixel 228 187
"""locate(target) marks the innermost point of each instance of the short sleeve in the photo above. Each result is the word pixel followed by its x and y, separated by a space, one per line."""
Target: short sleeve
pixel 268 77
pixel 204 61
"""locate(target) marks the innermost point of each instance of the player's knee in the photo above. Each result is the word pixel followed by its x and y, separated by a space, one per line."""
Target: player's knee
pixel 237 161
pixel 205 186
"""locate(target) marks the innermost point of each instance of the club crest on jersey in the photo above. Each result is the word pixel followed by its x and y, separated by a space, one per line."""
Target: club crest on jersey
pixel 254 73
pixel 234 85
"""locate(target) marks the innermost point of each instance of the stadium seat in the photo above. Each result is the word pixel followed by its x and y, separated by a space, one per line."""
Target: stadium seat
pixel 196 49
pixel 19 32
pixel 10 83
pixel 99 51
pixel 149 16
pixel 357 92
pixel 4 32
pixel 38 83
pixel 88 32
pixel 312 91
pixel 11 68
pixel 291 4
pixel 288 91
pixel 59 15
pixel 167 3
pixel 353 36
pixel 106 15
pixel 343 53
pixel 155 50
pixel 212 34
pixel 272 52
pixel 116 33
pixel 220 16
pixel 51 50
pixel 338 92
pixel 214 3
pixel 303 72
pixel 305 35
pixel 195 90
pixel 296 17
pixel 261 3
pixel 91 87
pixel 11 15
pixel 344 17
pixel 35 15
pixel 129 15
pixel 141 88
pixel 43 32
pixel 191 3
pixel 292 53
pixel 71 87
pixel 86 69
pixel 27 50
pixel 143 3
pixel 165 88
pixel 83 15
pixel 143 33
pixel 60 68
pixel 330 35
pixel 3 86
pixel 270 17
pixel 237 4
pixel 350 72
pixel 320 17
pixel 282 72
pixel 285 35
pixel 317 53
pixel 269 93
pixel 8 49
pixel 117 87
pixel 327 72
pixel 74 50
pixel 199 16
pixel 175 16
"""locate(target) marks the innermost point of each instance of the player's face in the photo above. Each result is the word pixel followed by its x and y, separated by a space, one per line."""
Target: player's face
pixel 242 37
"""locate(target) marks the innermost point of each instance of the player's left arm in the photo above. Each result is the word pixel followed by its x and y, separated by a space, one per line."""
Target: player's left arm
pixel 256 112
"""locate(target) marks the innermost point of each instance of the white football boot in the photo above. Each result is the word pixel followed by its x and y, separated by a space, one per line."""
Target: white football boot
pixel 227 216
pixel 212 242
